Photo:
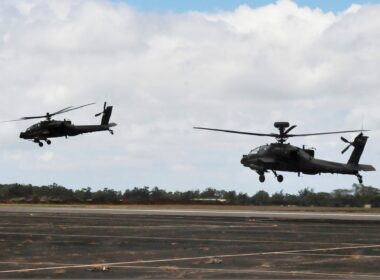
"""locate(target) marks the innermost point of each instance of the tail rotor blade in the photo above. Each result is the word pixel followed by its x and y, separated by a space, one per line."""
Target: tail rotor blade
pixel 344 140
pixel 345 149
pixel 104 109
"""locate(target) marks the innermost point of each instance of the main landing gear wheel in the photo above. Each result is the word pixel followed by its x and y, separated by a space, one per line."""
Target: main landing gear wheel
pixel 280 178
pixel 40 144
pixel 262 178
pixel 48 142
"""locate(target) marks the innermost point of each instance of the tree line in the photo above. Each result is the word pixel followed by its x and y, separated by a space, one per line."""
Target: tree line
pixel 357 196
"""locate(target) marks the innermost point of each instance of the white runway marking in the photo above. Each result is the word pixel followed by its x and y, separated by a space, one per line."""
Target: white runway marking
pixel 333 255
pixel 190 258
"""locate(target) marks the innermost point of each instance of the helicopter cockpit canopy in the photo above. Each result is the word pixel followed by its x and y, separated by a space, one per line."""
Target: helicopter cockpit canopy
pixel 33 127
pixel 259 150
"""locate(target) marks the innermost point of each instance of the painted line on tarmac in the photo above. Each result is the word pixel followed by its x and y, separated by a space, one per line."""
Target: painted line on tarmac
pixel 185 211
pixel 199 269
pixel 188 258
pixel 353 256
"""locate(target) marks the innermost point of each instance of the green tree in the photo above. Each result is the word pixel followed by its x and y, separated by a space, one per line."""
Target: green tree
pixel 260 198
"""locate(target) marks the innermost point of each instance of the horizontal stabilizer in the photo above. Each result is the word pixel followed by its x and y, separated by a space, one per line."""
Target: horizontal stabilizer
pixel 366 167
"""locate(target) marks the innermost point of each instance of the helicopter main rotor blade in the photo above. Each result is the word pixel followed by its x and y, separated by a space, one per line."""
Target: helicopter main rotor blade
pixel 25 118
pixel 44 116
pixel 239 132
pixel 68 109
pixel 17 120
pixel 289 129
pixel 48 115
pixel 324 133
pixel 62 110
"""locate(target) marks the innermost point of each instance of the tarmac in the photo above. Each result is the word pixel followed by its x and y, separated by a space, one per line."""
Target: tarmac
pixel 40 242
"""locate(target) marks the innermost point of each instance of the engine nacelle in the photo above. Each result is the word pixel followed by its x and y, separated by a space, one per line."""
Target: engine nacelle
pixel 310 152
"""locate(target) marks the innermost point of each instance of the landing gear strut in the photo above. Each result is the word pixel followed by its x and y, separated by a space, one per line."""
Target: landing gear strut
pixel 280 178
pixel 38 141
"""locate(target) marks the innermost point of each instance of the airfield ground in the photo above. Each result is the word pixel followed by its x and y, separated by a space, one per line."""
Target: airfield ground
pixel 42 243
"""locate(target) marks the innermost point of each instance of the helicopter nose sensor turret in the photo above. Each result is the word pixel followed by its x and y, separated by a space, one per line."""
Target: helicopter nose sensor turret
pixel 22 135
pixel 244 160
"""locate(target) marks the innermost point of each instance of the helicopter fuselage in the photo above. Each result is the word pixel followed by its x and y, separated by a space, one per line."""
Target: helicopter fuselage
pixel 52 128
pixel 286 157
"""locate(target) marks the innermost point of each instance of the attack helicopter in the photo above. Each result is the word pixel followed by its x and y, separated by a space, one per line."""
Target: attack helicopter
pixel 282 156
pixel 50 128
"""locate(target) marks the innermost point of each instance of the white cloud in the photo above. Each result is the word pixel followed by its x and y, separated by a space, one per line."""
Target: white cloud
pixel 46 156
pixel 241 69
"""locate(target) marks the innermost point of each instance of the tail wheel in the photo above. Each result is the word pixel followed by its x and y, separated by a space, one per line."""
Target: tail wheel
pixel 360 178
pixel 262 178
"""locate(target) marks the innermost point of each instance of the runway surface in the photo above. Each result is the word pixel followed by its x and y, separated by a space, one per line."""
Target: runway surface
pixel 74 243
pixel 199 212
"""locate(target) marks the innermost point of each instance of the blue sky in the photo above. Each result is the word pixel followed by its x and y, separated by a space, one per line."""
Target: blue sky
pixel 211 5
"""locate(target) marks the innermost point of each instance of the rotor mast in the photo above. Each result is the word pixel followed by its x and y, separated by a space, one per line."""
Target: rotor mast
pixel 281 126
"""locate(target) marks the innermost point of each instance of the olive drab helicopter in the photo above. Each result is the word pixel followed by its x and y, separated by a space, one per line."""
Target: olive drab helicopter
pixel 50 128
pixel 283 156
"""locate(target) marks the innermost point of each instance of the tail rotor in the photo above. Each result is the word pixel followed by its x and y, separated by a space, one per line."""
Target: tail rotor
pixel 104 109
pixel 350 144
pixel 106 115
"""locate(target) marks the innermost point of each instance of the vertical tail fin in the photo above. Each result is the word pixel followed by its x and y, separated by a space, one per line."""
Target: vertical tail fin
pixel 106 115
pixel 359 144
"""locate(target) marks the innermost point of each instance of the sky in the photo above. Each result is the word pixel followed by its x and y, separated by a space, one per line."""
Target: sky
pixel 184 6
pixel 168 67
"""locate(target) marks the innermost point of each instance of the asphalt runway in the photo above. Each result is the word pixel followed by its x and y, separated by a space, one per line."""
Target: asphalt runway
pixel 47 243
